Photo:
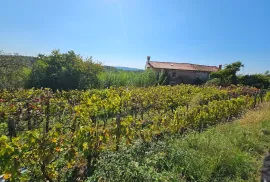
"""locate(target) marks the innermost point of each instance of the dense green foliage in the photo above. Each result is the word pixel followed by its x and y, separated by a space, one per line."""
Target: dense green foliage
pixel 14 70
pixel 227 76
pixel 65 71
pixel 255 80
pixel 60 135
pixel 118 78
pixel 69 71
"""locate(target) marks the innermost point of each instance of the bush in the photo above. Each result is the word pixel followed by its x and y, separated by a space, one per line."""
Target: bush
pixel 256 80
pixel 139 162
pixel 64 71
pixel 213 82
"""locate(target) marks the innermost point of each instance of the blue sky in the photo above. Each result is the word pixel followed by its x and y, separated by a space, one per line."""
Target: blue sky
pixel 124 32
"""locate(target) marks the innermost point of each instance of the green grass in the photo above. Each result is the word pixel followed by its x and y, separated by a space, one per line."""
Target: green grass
pixel 227 152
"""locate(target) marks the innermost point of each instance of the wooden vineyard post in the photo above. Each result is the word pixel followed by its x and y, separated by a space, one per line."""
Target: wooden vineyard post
pixel 255 100
pixel 47 112
pixel 261 95
pixel 118 129
pixel 74 124
pixel 28 118
pixel 11 128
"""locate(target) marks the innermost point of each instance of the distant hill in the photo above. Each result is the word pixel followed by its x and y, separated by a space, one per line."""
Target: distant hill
pixel 127 68
pixel 121 68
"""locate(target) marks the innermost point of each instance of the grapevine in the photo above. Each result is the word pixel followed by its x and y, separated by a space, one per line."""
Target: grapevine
pixel 56 134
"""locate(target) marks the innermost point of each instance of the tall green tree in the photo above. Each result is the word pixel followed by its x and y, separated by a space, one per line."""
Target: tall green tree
pixel 64 71
pixel 227 76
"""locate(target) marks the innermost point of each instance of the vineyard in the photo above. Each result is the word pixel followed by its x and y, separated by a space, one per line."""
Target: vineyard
pixel 58 136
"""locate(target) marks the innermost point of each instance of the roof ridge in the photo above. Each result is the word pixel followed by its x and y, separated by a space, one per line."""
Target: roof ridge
pixel 183 63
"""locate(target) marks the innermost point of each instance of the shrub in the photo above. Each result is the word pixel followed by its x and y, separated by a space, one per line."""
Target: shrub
pixel 256 80
pixel 64 71
pixel 140 162
pixel 213 82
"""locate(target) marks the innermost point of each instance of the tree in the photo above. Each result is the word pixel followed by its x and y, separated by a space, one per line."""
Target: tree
pixel 255 80
pixel 65 71
pixel 227 76
pixel 14 70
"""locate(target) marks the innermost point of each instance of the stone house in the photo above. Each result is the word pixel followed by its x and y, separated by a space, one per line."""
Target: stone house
pixel 186 73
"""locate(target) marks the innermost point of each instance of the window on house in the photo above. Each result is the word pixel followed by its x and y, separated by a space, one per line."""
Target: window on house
pixel 173 74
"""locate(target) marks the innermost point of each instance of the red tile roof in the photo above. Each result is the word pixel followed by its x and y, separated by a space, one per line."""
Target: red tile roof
pixel 181 66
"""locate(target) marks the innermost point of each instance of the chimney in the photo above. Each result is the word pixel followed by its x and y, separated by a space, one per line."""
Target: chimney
pixel 220 67
pixel 148 59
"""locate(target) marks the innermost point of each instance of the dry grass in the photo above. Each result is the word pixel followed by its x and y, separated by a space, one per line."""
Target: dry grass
pixel 261 113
